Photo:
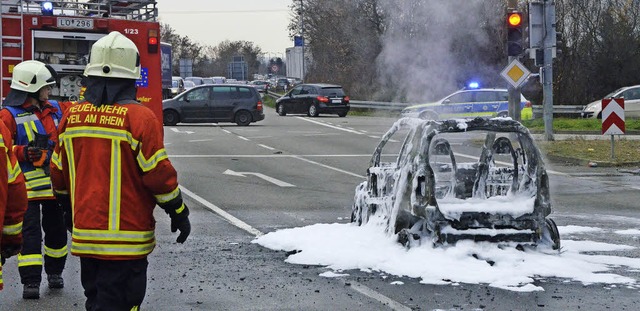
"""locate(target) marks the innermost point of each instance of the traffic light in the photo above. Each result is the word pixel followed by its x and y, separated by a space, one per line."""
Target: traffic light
pixel 514 34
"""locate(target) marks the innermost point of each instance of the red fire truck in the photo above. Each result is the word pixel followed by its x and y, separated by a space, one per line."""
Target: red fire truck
pixel 61 34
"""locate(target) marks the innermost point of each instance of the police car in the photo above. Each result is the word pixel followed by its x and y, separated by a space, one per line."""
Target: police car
pixel 468 102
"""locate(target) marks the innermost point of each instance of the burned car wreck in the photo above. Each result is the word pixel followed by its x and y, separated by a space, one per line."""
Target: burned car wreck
pixel 477 179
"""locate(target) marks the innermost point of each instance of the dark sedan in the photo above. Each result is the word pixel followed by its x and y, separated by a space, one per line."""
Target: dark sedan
pixel 314 99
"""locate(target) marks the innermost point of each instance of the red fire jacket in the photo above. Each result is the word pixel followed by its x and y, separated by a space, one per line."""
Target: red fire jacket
pixel 45 115
pixel 13 198
pixel 112 163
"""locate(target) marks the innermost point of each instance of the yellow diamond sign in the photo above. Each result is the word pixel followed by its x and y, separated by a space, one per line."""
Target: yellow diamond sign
pixel 515 73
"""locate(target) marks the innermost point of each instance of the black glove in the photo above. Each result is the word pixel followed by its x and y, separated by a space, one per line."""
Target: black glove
pixel 8 251
pixel 33 154
pixel 181 222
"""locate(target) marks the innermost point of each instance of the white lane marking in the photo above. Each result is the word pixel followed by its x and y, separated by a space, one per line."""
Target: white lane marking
pixel 272 180
pixel 366 291
pixel 321 134
pixel 329 167
pixel 331 126
pixel 230 218
pixel 272 155
pixel 266 147
pixel 199 140
pixel 226 131
pixel 179 131
pixel 362 289
pixel 243 138
pixel 372 136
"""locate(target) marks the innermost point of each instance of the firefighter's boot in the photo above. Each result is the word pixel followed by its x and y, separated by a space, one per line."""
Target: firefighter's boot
pixel 55 281
pixel 31 291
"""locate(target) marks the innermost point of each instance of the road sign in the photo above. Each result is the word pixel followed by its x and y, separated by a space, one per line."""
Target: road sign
pixel 613 116
pixel 515 73
pixel 274 68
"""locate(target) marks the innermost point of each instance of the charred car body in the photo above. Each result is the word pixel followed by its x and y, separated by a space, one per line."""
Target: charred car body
pixel 494 187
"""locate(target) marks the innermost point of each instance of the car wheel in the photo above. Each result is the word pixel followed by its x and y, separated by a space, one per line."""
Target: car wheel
pixel 313 111
pixel 281 111
pixel 342 114
pixel 428 115
pixel 243 118
pixel 553 234
pixel 170 117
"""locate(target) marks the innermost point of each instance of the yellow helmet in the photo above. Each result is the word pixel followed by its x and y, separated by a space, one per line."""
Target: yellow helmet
pixel 114 56
pixel 30 76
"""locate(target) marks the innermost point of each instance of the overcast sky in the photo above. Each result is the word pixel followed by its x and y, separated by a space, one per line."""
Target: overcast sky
pixel 263 22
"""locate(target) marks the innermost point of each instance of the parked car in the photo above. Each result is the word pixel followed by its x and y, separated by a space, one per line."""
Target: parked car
pixel 261 86
pixel 282 85
pixel 431 193
pixel 177 86
pixel 208 81
pixel 219 80
pixel 631 95
pixel 189 85
pixel 240 104
pixel 196 80
pixel 466 103
pixel 314 99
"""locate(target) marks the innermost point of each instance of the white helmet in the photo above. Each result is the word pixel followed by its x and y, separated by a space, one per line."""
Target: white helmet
pixel 30 76
pixel 114 56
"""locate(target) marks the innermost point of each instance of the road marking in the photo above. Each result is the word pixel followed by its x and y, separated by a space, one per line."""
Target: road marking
pixel 179 131
pixel 366 291
pixel 226 131
pixel 243 138
pixel 230 218
pixel 266 147
pixel 199 140
pixel 360 288
pixel 331 126
pixel 329 167
pixel 259 175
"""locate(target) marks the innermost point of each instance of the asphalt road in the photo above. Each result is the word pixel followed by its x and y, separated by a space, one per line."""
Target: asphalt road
pixel 295 171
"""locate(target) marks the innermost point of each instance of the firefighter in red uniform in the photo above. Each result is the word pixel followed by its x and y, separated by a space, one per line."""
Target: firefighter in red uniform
pixel 13 200
pixel 111 169
pixel 32 119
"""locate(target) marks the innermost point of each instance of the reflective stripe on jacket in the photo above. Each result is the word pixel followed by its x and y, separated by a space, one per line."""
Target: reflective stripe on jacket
pixel 13 195
pixel 112 162
pixel 27 124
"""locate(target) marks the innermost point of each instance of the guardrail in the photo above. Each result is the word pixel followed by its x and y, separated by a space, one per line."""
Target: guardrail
pixel 377 105
pixel 558 110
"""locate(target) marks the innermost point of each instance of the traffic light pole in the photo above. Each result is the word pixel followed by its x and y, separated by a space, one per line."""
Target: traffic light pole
pixel 514 93
pixel 514 97
pixel 549 42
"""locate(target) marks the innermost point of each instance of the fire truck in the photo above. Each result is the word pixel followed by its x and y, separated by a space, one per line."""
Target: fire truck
pixel 61 34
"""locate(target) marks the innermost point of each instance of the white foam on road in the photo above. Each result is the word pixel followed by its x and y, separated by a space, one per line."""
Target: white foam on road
pixel 343 247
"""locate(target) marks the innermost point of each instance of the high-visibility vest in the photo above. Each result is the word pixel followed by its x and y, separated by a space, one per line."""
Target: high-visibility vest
pixel 27 124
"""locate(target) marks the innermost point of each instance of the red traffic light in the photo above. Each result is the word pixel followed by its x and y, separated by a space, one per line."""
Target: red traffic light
pixel 514 19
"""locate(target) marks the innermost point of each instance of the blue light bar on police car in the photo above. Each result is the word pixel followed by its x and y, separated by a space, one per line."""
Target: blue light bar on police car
pixel 473 85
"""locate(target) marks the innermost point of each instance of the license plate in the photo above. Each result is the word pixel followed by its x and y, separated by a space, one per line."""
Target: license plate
pixel 81 23
pixel 336 101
